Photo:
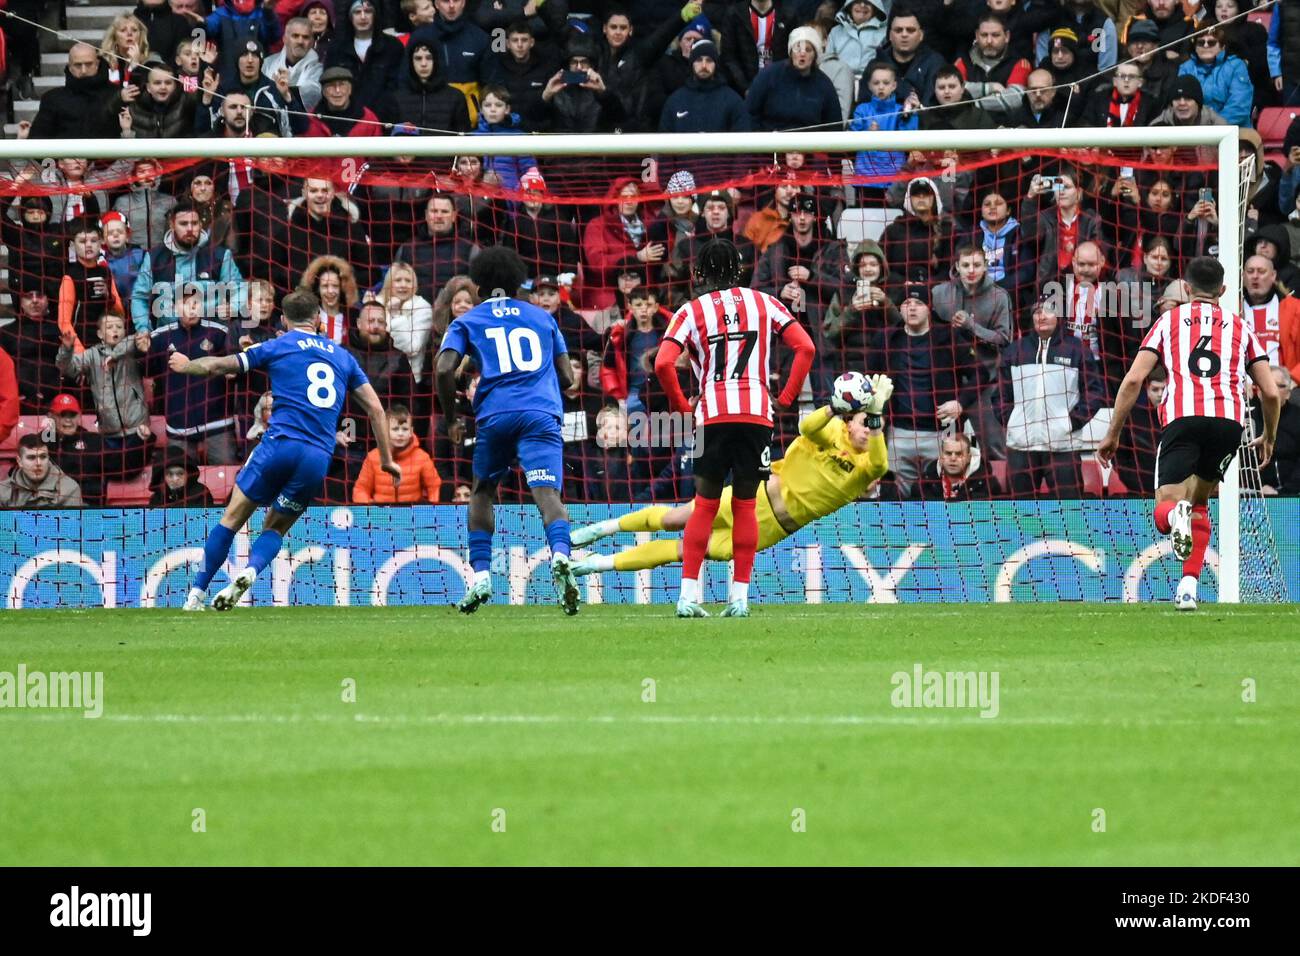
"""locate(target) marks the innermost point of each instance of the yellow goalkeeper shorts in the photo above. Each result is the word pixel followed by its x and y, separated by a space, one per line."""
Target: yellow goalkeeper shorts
pixel 769 530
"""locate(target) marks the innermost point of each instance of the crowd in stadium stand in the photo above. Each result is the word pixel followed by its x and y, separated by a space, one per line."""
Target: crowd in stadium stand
pixel 112 266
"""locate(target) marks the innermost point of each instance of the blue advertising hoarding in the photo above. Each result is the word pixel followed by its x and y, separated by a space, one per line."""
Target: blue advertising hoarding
pixel 883 553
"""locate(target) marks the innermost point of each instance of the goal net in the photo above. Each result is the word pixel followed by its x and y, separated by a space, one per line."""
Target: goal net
pixel 1005 291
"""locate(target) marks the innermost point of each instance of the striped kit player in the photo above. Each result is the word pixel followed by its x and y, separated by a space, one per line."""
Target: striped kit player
pixel 1209 354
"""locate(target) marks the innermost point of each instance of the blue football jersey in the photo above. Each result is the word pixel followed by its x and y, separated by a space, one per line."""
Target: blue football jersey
pixel 514 345
pixel 310 379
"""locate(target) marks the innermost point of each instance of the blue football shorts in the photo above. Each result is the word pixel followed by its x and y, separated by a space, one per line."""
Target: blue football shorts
pixel 532 437
pixel 284 474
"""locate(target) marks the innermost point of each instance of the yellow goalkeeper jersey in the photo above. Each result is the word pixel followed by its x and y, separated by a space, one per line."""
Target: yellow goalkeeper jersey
pixel 821 472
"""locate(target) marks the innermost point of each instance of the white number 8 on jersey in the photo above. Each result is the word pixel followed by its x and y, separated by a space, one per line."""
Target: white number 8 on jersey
pixel 320 385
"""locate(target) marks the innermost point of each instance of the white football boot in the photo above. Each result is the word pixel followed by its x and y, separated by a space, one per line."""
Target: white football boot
pixel 1180 529
pixel 229 596
pixel 1185 597
pixel 196 600
pixel 566 585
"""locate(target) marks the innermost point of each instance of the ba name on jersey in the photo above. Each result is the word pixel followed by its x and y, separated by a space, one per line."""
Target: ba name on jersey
pixel 728 337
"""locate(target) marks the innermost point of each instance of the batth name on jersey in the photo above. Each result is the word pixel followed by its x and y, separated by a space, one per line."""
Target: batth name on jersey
pixel 322 344
pixel 1224 320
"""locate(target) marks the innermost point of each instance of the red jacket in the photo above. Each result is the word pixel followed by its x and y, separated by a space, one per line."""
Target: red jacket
pixel 613 365
pixel 605 245
pixel 8 395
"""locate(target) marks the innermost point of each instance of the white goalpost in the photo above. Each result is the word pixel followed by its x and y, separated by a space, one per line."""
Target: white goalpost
pixel 1223 139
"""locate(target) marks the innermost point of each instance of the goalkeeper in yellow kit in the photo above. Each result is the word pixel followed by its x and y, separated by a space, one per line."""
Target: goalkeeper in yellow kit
pixel 839 454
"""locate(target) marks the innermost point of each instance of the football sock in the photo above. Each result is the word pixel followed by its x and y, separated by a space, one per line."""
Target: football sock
pixel 215 550
pixel 646 519
pixel 695 542
pixel 1162 515
pixel 744 538
pixel 739 592
pixel 1200 541
pixel 557 536
pixel 264 550
pixel 480 550
pixel 691 590
pixel 652 554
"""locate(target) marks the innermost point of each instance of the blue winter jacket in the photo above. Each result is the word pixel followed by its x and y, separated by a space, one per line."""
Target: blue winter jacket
pixel 511 169
pixel 1226 85
pixel 887 114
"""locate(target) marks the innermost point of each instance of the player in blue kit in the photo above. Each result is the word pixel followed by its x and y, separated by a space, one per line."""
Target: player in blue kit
pixel 523 364
pixel 310 379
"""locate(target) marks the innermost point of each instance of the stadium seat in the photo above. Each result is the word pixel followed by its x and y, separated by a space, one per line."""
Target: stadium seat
pixel 1262 17
pixel 1273 124
pixel 219 479
pixel 998 469
pixel 127 494
pixel 1093 482
pixel 859 224
pixel 27 425
pixel 158 425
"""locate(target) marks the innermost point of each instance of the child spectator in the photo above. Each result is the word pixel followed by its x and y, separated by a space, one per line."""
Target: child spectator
pixel 420 480
pixel 111 369
pixel 88 289
pixel 178 485
pixel 623 373
pixel 495 119
pixel 883 111
pixel 859 31
pixel 122 257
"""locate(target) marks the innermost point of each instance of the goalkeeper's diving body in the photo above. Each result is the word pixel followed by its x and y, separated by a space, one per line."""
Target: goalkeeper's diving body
pixel 839 454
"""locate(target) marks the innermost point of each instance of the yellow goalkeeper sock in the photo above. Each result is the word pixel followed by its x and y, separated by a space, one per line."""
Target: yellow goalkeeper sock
pixel 647 519
pixel 649 555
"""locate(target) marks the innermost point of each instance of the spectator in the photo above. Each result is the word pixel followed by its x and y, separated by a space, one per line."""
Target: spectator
pixel 1158 71
pixel 420 480
pixel 37 482
pixel 1050 388
pixel 1040 107
pixel 1225 81
pixel 755 35
pixel 861 308
pixel 627 66
pixel 950 477
pixel 803 269
pixel 8 395
pixel 619 233
pixel 455 298
pixel 770 223
pixel 256 322
pixel 92 459
pixel 194 406
pixel 185 257
pixel 230 120
pixel 237 22
pixel 22 46
pixel 1284 54
pixel 75 189
pixel 628 276
pixel 1186 105
pixel 177 484
pixel 320 222
pixel 187 66
pixel 1173 27
pixel 957 110
pixel 1143 219
pixel 919 242
pixel 998 233
pixel 624 373
pixel 410 316
pixel 334 284
pixel 302 65
pixel 162 111
pixel 384 364
pixel 973 303
pixel 496 119
pixel 1098 43
pixel 215 212
pixel 320 14
pixel 1055 230
pixel 1124 104
pixel 123 256
pixel 438 252
pixel 935 381
pixel 32 341
pixel 1281 475
pixel 672 70
pixel 581 339
pixel 545 239
pixel 124 49
pixel 884 111
pixel 466 50
pixel 794 93
pixel 422 97
pixel 37 247
pixel 525 68
pixel 859 30
pixel 715 220
pixel 1274 316
pixel 1063 63
pixel 586 107
pixel 372 56
pixel 145 208
pixel 993 77
pixel 1136 456
pixel 704 104
pixel 1274 244
pixel 87 290
pixel 1248 41
pixel 914 62
pixel 111 371
pixel 340 113
pixel 276 107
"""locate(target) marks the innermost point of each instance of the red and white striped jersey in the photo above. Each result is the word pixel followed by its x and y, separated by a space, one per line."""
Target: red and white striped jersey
pixel 1206 354
pixel 728 336
pixel 1267 326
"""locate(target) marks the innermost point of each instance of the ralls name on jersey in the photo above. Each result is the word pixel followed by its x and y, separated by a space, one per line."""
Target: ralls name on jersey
pixel 323 344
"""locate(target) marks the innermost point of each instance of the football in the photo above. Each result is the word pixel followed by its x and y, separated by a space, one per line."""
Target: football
pixel 850 392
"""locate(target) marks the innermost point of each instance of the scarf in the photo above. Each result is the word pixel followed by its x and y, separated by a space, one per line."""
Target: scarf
pixel 1123 113
pixel 635 230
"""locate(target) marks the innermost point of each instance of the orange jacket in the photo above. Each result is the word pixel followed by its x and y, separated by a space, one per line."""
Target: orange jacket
pixel 1288 318
pixel 420 480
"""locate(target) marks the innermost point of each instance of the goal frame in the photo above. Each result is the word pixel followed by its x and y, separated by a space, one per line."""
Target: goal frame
pixel 1224 138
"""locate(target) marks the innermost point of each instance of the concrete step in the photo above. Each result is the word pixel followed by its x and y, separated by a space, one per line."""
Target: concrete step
pixel 64 40
pixel 96 16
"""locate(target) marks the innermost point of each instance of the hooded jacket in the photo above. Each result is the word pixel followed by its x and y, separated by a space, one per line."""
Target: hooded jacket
pixel 118 392
pixel 1050 388
pixel 429 104
pixel 232 30
pixel 1009 268
pixel 575 109
pixel 146 208
pixel 55 490
pixel 605 245
pixel 915 246
pixel 75 110
pixel 856 44
pixel 193 494
pixel 463 48
pixel 511 169
pixel 853 325
pixel 165 29
pixel 989 307
pixel 420 480
pixel 212 267
pixel 372 77
pixel 1226 85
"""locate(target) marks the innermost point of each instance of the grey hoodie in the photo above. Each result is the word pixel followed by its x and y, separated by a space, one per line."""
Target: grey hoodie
pixel 118 392
pixel 56 490
pixel 990 308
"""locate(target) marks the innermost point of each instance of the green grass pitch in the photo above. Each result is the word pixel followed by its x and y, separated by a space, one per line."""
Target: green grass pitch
pixel 519 736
